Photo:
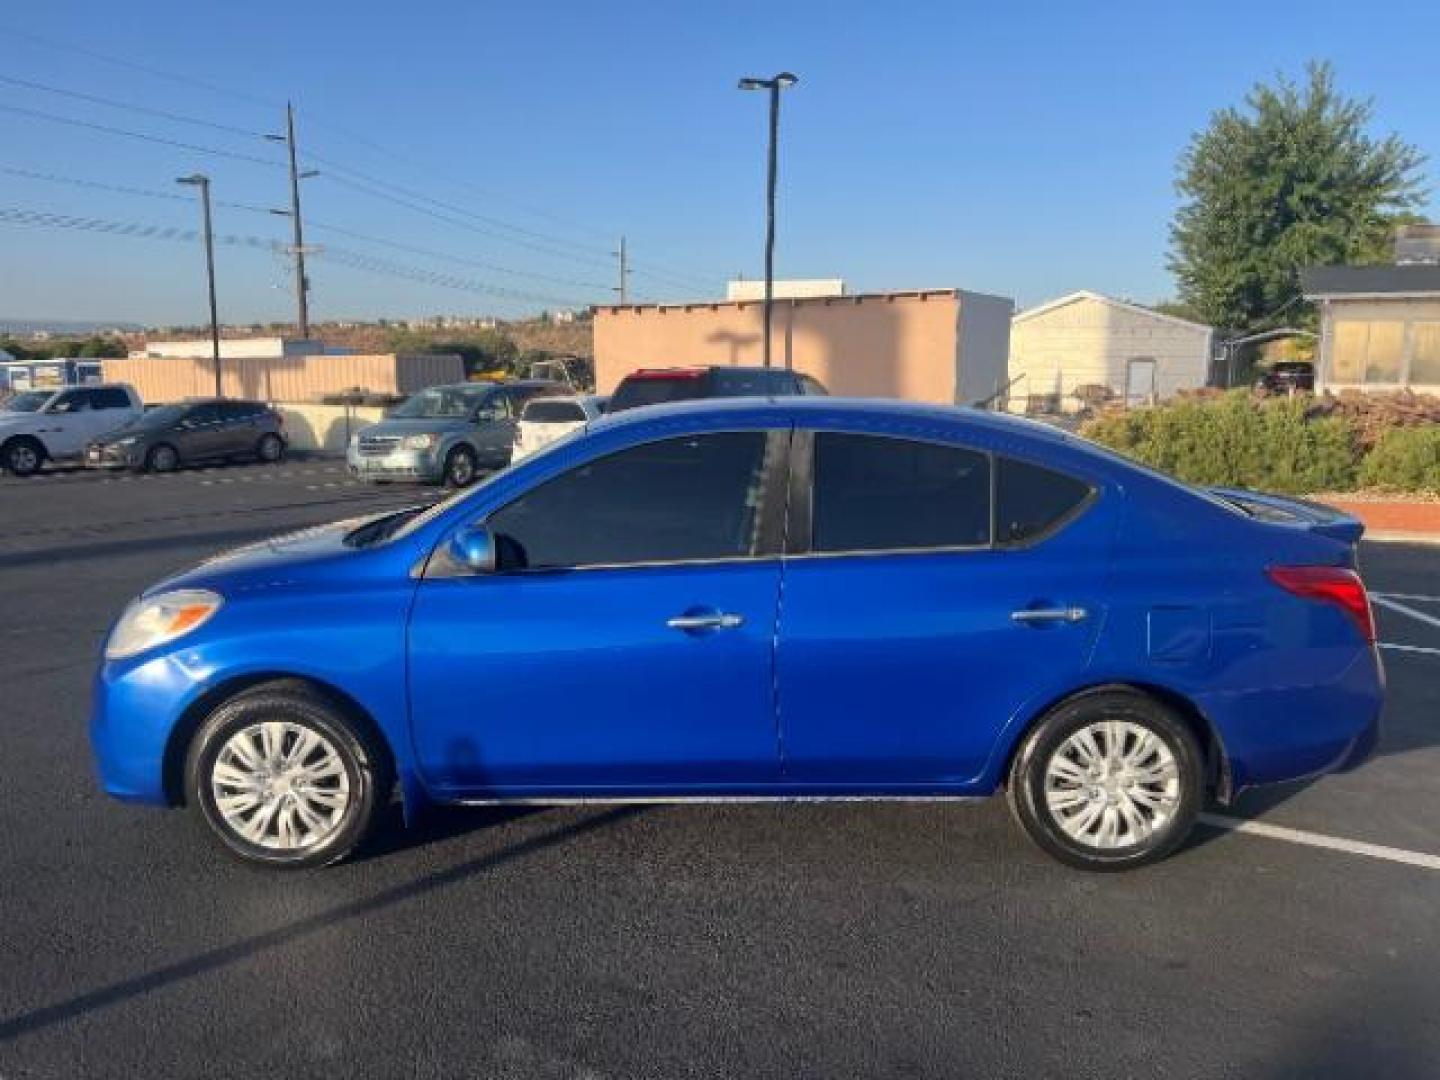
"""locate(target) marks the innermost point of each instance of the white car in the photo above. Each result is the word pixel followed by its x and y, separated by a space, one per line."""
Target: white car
pixel 547 419
pixel 37 426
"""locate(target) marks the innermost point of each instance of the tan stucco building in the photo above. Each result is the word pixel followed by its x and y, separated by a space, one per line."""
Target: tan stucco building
pixel 1087 339
pixel 936 345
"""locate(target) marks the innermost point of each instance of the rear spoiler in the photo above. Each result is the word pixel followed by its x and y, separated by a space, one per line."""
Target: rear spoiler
pixel 1285 510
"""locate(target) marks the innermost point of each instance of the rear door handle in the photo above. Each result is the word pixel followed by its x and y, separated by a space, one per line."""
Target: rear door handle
pixel 1043 615
pixel 715 620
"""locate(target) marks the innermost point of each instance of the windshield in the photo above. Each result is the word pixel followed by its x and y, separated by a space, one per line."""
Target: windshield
pixel 448 402
pixel 30 401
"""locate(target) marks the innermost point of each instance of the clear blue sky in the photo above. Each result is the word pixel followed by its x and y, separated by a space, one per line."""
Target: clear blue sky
pixel 1021 149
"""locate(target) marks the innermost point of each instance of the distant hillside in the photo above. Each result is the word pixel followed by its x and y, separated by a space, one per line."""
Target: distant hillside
pixel 26 327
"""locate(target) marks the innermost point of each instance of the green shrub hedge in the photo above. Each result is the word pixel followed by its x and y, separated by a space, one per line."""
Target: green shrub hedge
pixel 1268 444
pixel 1405 459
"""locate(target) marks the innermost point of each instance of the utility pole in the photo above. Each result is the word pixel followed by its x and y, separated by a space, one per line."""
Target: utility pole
pixel 782 81
pixel 297 247
pixel 202 181
pixel 624 287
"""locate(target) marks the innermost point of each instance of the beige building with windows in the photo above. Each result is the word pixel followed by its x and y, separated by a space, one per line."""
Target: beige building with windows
pixel 1086 339
pixel 1379 326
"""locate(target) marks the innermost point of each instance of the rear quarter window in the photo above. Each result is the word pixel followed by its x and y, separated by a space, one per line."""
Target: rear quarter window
pixel 1031 501
pixel 553 412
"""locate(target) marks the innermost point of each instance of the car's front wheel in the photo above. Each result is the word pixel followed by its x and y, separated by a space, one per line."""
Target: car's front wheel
pixel 1108 781
pixel 162 458
pixel 23 456
pixel 460 467
pixel 284 779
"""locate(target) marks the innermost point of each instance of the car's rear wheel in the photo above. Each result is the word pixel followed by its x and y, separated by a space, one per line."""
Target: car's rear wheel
pixel 282 778
pixel 460 467
pixel 23 456
pixel 162 458
pixel 270 448
pixel 1108 781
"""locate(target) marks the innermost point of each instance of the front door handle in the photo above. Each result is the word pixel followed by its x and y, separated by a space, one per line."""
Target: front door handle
pixel 714 620
pixel 1043 615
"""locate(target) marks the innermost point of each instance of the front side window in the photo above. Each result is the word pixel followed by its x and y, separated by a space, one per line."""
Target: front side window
pixel 698 497
pixel 72 402
pixel 876 493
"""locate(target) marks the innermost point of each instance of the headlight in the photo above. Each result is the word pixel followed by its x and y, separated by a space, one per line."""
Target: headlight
pixel 129 441
pixel 418 442
pixel 160 619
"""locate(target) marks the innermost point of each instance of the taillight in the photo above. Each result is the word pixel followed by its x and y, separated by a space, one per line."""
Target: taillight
pixel 1329 585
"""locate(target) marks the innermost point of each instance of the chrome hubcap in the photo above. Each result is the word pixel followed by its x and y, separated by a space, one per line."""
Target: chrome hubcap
pixel 280 786
pixel 23 459
pixel 1112 784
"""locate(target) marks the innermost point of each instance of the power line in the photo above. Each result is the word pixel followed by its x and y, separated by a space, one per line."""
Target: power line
pixel 160 73
pixel 121 189
pixel 656 272
pixel 341 256
pixel 457 259
pixel 143 136
pixel 410 193
pixel 168 196
pixel 95 99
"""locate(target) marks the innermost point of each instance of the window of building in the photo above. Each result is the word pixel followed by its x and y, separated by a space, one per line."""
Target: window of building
pixel 685 499
pixel 1385 352
pixel 1367 352
pixel 1425 354
pixel 875 493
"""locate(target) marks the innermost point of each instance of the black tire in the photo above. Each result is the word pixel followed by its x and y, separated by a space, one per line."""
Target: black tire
pixel 1027 795
pixel 270 448
pixel 367 776
pixel 460 467
pixel 23 456
pixel 162 458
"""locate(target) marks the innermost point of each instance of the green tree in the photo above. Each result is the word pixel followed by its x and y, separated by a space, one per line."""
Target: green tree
pixel 1292 179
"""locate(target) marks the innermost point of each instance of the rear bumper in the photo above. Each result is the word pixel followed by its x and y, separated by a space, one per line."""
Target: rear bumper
pixel 1288 733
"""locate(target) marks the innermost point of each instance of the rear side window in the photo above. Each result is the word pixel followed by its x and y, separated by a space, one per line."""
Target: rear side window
pixel 751 383
pixel 553 412
pixel 1031 501
pixel 874 493
pixel 637 390
pixel 685 499
pixel 240 410
pixel 812 387
pixel 109 397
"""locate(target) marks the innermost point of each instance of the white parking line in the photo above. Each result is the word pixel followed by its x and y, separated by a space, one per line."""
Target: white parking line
pixel 1403 609
pixel 1410 648
pixel 1320 840
pixel 1405 596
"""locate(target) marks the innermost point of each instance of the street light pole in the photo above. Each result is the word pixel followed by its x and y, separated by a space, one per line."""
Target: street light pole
pixel 782 81
pixel 202 181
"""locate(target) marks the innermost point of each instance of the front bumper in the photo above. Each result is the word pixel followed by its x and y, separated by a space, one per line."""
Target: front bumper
pixel 111 457
pixel 135 707
pixel 395 465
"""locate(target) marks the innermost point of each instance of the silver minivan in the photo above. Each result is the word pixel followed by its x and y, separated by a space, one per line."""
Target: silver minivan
pixel 445 433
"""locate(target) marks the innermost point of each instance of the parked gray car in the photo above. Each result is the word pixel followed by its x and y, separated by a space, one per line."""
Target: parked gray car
pixel 445 433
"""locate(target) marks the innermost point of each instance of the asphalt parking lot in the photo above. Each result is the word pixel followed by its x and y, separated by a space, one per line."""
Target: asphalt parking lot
pixel 819 940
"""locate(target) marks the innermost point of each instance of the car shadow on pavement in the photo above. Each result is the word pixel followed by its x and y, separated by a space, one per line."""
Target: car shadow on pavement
pixel 46 1016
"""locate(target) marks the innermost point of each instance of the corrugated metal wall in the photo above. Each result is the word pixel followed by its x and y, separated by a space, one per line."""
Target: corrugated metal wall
pixel 290 378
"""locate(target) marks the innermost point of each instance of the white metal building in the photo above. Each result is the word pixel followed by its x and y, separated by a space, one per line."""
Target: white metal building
pixel 1086 339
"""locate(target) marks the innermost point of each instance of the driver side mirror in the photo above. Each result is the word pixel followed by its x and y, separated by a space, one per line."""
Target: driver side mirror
pixel 473 549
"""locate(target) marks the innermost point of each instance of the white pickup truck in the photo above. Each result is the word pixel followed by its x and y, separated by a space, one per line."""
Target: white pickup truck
pixel 37 426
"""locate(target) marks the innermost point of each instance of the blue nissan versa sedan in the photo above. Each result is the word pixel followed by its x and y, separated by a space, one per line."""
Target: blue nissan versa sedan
pixel 759 599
